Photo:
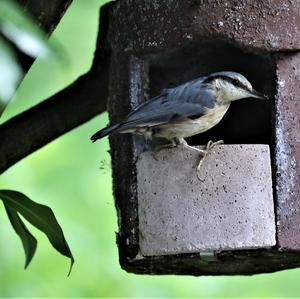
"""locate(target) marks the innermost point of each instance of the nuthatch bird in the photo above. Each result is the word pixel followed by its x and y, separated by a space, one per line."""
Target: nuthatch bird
pixel 186 110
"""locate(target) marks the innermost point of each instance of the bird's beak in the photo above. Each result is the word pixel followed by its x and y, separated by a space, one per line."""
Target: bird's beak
pixel 258 95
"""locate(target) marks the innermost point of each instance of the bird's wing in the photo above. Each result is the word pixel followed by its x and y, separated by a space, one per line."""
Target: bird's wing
pixel 185 101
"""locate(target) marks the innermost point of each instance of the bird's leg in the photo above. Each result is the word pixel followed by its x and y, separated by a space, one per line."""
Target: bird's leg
pixel 180 142
pixel 203 152
pixel 210 145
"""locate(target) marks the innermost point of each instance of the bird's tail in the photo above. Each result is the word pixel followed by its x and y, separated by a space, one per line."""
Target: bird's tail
pixel 104 132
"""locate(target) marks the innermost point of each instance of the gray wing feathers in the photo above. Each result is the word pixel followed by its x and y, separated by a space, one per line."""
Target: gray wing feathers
pixel 188 100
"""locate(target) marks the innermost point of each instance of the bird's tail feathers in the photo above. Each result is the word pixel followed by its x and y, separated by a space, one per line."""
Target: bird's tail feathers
pixel 105 132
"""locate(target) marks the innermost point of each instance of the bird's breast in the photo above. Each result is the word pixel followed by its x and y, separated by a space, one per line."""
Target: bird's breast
pixel 183 128
pixel 211 118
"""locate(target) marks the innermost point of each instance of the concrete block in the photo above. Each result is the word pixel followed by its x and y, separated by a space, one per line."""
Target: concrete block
pixel 287 152
pixel 231 207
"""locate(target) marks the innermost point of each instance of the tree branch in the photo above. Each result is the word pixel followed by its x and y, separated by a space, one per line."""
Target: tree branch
pixel 47 15
pixel 36 127
pixel 69 108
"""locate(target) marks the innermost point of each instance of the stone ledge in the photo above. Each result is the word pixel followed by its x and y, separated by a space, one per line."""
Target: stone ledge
pixel 230 208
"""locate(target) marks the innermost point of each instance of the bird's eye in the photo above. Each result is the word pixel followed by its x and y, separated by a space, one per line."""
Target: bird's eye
pixel 235 82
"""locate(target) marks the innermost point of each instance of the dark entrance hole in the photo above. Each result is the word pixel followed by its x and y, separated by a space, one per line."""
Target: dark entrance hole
pixel 247 121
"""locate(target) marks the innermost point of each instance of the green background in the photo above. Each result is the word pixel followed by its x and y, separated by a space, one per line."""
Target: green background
pixel 73 177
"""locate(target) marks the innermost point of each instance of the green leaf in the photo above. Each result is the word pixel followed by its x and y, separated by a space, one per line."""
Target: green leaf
pixel 17 26
pixel 10 74
pixel 28 240
pixel 41 217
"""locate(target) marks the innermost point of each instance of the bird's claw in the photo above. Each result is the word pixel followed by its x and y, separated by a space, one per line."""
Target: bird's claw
pixel 180 142
pixel 210 145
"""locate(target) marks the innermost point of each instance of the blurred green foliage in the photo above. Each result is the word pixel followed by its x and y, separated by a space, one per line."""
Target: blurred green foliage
pixel 10 74
pixel 18 27
pixel 71 176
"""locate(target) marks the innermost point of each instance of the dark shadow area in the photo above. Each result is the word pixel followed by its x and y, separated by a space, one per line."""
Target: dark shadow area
pixel 247 121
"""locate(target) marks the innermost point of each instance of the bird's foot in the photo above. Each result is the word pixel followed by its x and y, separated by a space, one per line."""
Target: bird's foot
pixel 180 142
pixel 210 145
pixel 203 152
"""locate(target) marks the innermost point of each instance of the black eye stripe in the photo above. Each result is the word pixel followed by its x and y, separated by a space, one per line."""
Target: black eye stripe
pixel 212 78
pixel 238 83
pixel 233 81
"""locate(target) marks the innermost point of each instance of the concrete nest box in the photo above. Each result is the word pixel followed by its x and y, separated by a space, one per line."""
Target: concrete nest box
pixel 243 216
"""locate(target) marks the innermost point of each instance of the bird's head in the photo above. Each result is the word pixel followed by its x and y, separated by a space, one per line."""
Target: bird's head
pixel 231 86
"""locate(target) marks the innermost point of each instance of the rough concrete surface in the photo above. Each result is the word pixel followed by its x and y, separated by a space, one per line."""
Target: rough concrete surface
pixel 271 25
pixel 230 208
pixel 287 151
